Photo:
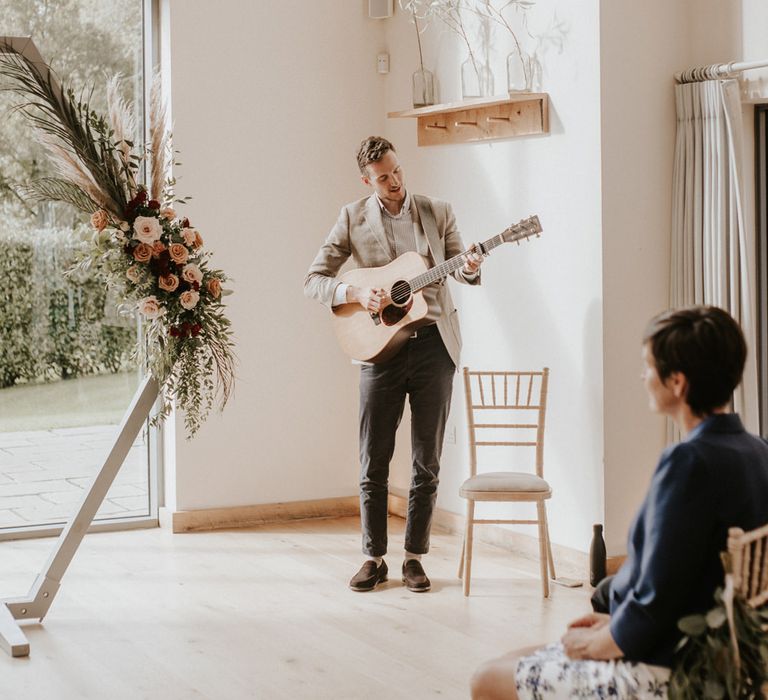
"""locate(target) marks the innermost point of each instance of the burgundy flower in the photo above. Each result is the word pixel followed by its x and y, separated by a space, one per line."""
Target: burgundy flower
pixel 141 196
pixel 153 204
pixel 196 328
pixel 175 333
pixel 185 223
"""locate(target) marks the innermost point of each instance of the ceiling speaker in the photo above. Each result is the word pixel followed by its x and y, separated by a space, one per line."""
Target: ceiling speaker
pixel 380 9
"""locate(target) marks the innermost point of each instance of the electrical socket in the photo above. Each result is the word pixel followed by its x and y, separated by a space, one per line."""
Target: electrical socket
pixel 382 63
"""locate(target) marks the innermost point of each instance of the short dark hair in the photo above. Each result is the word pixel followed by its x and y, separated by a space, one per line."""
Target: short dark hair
pixel 372 150
pixel 707 346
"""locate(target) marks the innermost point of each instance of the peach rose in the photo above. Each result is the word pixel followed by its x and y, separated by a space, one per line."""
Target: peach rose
pixel 179 253
pixel 214 287
pixel 142 252
pixel 157 248
pixel 150 307
pixel 191 273
pixel 189 299
pixel 133 273
pixel 169 283
pixel 99 220
pixel 192 237
pixel 167 213
pixel 147 229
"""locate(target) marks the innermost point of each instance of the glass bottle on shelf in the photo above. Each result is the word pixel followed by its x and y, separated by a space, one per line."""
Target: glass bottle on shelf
pixel 423 88
pixel 519 72
pixel 476 79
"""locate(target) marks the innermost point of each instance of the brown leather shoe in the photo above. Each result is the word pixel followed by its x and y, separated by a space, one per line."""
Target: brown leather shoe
pixel 414 577
pixel 369 576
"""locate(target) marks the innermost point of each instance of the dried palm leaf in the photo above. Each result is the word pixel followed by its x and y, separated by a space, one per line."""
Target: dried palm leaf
pixel 58 113
pixel 123 122
pixel 70 167
pixel 52 188
pixel 159 140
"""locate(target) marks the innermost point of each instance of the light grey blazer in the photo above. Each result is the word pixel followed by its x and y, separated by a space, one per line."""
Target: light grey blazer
pixel 359 233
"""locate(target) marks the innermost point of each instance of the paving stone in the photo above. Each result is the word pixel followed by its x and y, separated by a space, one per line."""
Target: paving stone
pixel 35 487
pixel 10 519
pixel 132 502
pixel 28 501
pixel 44 474
pixel 110 508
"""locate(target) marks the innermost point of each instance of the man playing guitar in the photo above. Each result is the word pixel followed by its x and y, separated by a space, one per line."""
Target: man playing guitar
pixel 375 231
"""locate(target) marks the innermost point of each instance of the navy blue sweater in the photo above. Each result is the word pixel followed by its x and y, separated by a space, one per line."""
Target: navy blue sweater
pixel 715 479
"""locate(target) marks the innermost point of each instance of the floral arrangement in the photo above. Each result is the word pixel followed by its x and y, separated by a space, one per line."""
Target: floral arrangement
pixel 721 655
pixel 153 257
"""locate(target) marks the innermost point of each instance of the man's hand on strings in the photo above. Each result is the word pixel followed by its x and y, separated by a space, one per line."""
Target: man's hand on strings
pixel 370 298
pixel 472 260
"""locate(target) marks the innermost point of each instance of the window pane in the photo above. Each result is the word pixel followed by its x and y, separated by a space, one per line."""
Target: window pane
pixel 66 373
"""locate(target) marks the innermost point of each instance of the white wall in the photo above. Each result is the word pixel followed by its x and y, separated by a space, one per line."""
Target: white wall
pixel 270 101
pixel 641 49
pixel 540 303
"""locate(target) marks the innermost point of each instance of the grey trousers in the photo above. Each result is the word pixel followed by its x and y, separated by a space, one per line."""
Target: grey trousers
pixel 424 372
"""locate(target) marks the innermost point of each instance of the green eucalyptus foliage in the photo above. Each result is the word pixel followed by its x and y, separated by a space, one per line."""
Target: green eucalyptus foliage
pixel 54 324
pixel 705 666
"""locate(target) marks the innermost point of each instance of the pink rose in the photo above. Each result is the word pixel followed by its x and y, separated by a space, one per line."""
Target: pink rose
pixel 191 273
pixel 147 229
pixel 167 213
pixel 192 237
pixel 168 283
pixel 133 273
pixel 150 307
pixel 157 248
pixel 99 220
pixel 179 253
pixel 189 299
pixel 214 287
pixel 142 252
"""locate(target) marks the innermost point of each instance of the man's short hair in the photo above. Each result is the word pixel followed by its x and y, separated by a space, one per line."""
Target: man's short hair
pixel 372 150
pixel 707 346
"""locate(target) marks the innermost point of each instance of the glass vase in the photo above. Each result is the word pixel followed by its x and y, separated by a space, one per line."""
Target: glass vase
pixel 519 72
pixel 476 79
pixel 423 88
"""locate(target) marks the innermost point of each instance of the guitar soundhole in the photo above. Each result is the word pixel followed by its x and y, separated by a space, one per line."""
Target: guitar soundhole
pixel 391 314
pixel 401 293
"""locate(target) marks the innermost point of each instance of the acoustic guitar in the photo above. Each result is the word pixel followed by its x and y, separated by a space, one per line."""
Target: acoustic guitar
pixel 376 337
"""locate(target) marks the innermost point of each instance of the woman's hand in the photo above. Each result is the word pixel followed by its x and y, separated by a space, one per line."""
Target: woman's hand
pixel 589 637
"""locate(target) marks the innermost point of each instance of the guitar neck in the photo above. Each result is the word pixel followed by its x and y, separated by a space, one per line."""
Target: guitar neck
pixel 444 269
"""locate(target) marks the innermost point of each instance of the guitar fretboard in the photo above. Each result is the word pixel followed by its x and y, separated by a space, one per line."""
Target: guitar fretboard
pixel 452 264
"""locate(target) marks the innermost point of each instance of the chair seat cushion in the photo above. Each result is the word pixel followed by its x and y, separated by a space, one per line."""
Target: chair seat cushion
pixel 504 481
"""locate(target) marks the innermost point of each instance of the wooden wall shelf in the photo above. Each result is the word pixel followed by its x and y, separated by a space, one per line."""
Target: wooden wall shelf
pixel 520 114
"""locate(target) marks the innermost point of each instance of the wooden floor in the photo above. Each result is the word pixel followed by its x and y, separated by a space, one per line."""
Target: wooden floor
pixel 266 613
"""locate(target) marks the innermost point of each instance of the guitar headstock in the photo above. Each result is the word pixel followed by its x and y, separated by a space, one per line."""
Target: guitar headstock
pixel 523 229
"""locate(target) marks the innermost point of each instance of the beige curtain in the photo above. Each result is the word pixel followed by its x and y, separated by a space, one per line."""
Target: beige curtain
pixel 713 254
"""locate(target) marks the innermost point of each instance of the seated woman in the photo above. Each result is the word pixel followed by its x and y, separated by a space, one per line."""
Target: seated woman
pixel 715 478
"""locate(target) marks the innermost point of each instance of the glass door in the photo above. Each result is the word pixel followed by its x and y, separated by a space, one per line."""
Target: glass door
pixel 66 370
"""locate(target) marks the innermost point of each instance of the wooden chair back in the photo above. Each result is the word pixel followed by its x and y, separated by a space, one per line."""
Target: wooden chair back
pixel 748 555
pixel 506 409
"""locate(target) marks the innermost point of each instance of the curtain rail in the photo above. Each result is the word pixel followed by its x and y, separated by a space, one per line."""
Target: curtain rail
pixel 717 70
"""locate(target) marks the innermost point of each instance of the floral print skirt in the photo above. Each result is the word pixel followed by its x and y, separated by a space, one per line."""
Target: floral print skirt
pixel 549 673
